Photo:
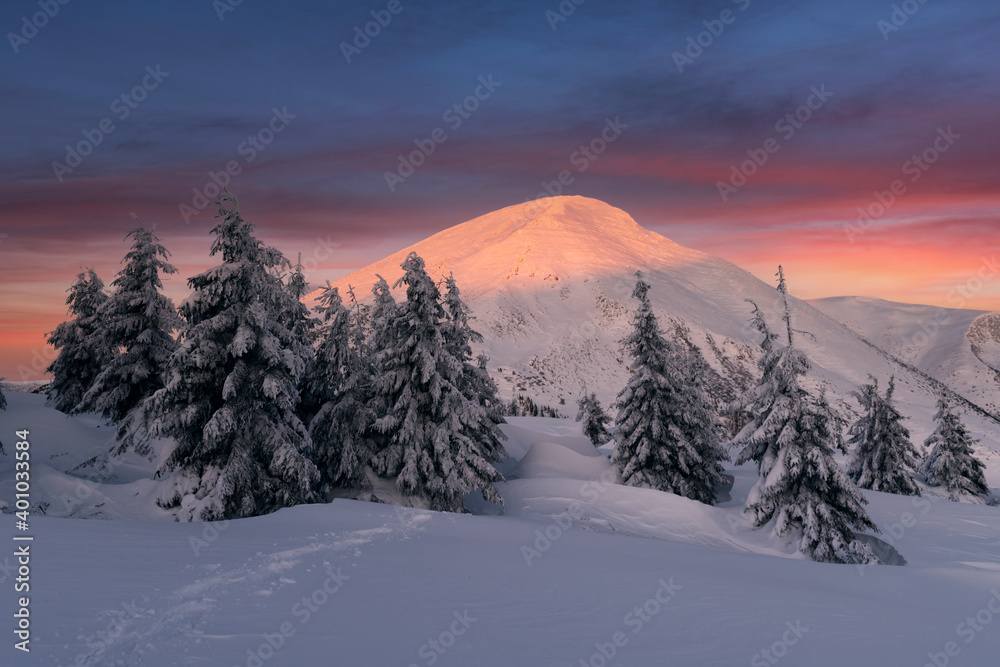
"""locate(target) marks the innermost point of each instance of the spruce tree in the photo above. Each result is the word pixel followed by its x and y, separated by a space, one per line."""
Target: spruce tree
pixel 669 437
pixel 594 419
pixel 231 389
pixel 83 352
pixel 884 452
pixel 383 314
pixel 436 442
pixel 791 437
pixel 338 385
pixel 138 321
pixel 951 462
pixel 296 313
pixel 476 385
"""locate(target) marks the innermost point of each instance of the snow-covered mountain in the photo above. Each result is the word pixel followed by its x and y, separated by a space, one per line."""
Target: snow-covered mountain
pixel 550 284
pixel 577 565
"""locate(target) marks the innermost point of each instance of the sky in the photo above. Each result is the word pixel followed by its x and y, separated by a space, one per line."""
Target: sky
pixel 853 142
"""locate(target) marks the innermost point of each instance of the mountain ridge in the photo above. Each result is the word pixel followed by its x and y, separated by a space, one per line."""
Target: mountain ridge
pixel 550 286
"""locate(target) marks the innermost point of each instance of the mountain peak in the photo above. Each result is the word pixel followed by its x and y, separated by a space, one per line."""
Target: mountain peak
pixel 553 238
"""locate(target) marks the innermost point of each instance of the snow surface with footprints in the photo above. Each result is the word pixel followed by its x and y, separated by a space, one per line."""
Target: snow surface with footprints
pixel 574 568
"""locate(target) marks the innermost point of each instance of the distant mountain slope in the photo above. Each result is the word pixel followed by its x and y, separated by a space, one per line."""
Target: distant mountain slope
pixel 550 284
pixel 961 348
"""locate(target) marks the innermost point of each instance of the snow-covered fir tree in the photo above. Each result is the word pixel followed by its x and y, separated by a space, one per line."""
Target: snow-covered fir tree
pixel 83 352
pixel 383 314
pixel 951 463
pixel 669 436
pixel 137 324
pixel 884 454
pixel 436 442
pixel 338 384
pixel 231 389
pixel 595 419
pixel 297 314
pixel 477 384
pixel 792 436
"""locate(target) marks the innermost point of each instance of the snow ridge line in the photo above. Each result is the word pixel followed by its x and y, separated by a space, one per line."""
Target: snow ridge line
pixel 936 384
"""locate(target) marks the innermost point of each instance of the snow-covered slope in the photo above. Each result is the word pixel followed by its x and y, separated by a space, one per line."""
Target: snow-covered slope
pixel 577 566
pixel 958 347
pixel 550 284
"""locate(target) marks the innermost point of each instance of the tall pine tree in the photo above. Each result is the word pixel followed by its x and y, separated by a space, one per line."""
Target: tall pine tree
pixel 951 462
pixel 231 389
pixel 138 321
pixel 338 384
pixel 83 352
pixel 296 312
pixel 884 451
pixel 669 437
pixel 792 437
pixel 436 442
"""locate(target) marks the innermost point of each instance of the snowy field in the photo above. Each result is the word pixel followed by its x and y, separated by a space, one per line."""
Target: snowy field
pixel 577 571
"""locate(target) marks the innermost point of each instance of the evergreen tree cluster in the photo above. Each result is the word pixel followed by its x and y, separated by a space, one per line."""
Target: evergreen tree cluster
pixel 884 454
pixel 523 406
pixel 269 406
pixel 261 416
pixel 950 461
pixel 669 436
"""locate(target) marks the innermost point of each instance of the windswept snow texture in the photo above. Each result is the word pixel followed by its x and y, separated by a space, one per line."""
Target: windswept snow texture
pixel 577 566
